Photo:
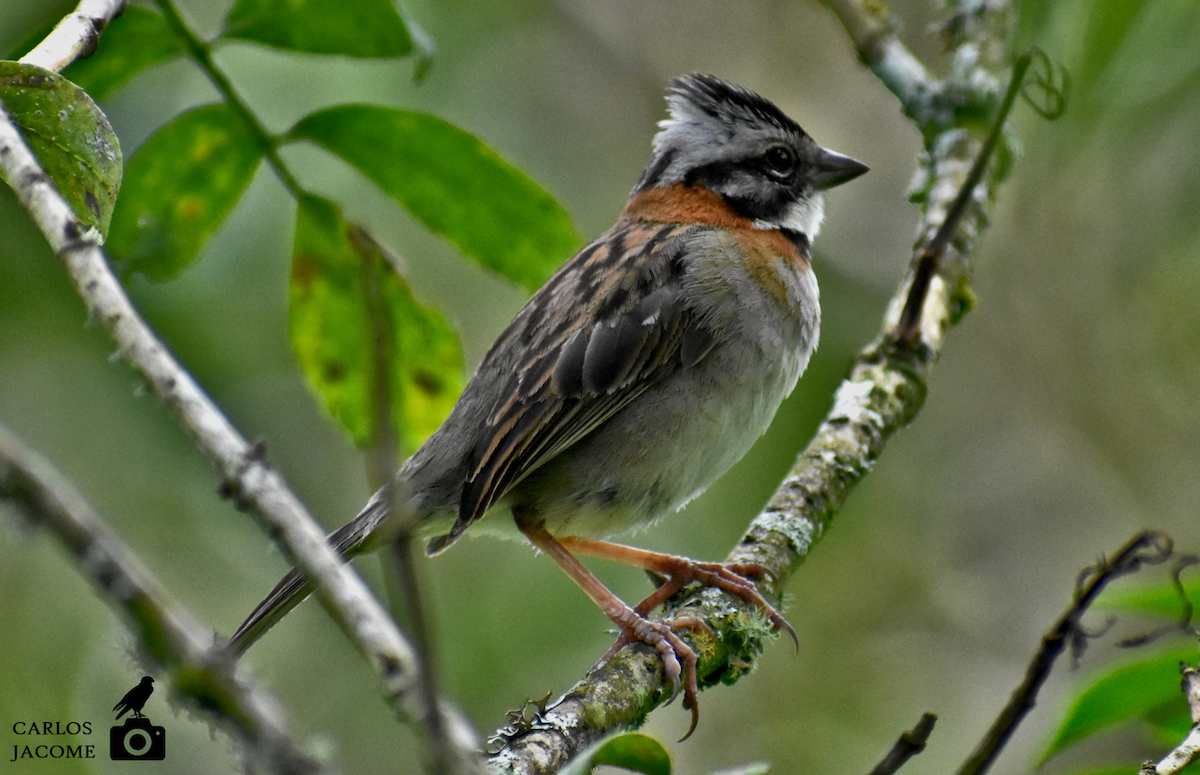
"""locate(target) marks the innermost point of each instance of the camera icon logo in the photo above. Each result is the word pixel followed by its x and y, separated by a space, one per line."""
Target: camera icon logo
pixel 137 738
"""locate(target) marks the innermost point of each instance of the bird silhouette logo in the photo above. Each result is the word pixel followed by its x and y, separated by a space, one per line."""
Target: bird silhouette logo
pixel 137 738
pixel 135 699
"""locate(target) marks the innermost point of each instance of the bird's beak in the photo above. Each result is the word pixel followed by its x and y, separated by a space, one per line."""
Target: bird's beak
pixel 834 169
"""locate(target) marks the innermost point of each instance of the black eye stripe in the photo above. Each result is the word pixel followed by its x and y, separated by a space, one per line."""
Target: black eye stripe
pixel 714 173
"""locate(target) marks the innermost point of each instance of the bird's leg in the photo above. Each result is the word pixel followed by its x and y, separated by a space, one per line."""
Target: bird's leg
pixel 679 661
pixel 680 571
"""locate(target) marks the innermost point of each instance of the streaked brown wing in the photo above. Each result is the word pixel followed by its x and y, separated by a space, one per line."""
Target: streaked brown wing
pixel 626 329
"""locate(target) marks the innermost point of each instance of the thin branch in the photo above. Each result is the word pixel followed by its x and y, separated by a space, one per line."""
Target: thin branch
pixel 1187 751
pixel 928 262
pixel 1148 548
pixel 248 478
pixel 909 745
pixel 167 634
pixel 76 36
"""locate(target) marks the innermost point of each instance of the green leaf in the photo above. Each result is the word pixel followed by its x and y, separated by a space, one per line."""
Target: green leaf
pixel 363 28
pixel 454 183
pixel 1127 692
pixel 331 329
pixel 629 750
pixel 1170 723
pixel 71 137
pixel 133 41
pixel 179 186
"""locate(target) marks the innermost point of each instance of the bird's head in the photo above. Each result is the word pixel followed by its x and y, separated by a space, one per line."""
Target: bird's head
pixel 742 147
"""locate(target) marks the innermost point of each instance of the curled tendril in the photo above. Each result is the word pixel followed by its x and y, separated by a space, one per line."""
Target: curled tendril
pixel 1050 87
pixel 1184 624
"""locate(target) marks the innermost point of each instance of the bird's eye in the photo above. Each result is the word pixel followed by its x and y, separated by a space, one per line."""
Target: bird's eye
pixel 780 161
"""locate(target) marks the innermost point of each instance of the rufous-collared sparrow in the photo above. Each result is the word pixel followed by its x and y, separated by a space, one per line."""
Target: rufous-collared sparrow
pixel 640 372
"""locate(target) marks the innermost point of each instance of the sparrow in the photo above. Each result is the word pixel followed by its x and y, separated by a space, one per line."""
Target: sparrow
pixel 638 374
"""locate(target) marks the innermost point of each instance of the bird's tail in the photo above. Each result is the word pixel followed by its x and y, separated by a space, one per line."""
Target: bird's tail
pixel 348 540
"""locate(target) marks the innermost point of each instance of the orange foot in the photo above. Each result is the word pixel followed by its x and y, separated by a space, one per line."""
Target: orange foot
pixel 634 624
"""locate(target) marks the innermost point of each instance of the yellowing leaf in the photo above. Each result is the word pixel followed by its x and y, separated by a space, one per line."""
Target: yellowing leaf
pixel 333 334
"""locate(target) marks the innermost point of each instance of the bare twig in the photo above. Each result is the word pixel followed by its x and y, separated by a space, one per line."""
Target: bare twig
pixel 908 329
pixel 909 745
pixel 76 36
pixel 169 636
pixel 1148 548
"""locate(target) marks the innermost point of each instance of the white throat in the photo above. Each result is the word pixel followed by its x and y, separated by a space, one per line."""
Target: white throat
pixel 803 216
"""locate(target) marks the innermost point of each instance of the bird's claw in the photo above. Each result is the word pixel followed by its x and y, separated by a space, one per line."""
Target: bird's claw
pixel 733 578
pixel 679 660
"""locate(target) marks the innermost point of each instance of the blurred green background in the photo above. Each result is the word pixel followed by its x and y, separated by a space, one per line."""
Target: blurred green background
pixel 1062 419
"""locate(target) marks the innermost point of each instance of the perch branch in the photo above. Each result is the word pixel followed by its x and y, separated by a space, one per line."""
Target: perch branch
pixel 167 634
pixel 885 389
pixel 76 36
